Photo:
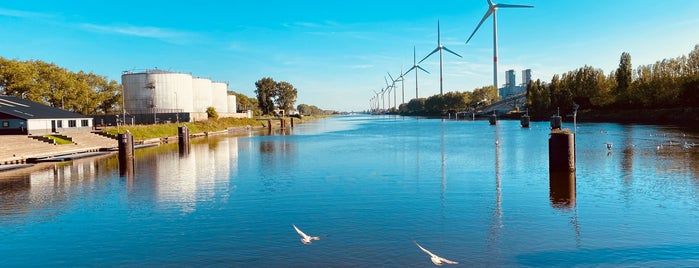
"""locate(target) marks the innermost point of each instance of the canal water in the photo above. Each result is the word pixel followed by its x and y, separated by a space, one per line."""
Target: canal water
pixel 369 187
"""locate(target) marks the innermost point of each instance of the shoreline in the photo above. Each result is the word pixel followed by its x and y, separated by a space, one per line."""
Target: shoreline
pixel 24 157
pixel 16 156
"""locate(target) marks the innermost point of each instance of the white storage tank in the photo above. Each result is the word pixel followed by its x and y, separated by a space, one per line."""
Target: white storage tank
pixel 219 96
pixel 156 91
pixel 232 104
pixel 201 88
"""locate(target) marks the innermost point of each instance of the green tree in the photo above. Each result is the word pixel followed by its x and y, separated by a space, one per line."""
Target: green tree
pixel 48 84
pixel 484 96
pixel 303 109
pixel 416 106
pixel 211 113
pixel 623 78
pixel 285 96
pixel 265 94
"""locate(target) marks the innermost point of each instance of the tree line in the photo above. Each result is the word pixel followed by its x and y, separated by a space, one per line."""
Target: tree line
pixel 48 84
pixel 450 101
pixel 667 83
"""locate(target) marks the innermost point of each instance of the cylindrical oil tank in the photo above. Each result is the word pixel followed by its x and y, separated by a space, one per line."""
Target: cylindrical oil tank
pixel 219 96
pixel 157 91
pixel 138 98
pixel 201 88
pixel 232 104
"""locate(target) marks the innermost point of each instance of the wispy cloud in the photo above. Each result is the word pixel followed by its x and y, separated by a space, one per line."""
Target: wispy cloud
pixel 313 25
pixel 141 31
pixel 361 66
pixel 22 14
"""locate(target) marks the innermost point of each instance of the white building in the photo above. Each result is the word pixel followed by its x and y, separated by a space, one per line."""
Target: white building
pixel 157 96
pixel 23 117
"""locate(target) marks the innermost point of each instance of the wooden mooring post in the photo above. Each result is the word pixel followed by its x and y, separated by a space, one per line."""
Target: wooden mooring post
pixel 183 140
pixel 126 153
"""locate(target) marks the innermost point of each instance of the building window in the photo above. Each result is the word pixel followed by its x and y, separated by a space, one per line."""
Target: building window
pixel 84 123
pixel 72 123
pixel 59 123
pixel 5 124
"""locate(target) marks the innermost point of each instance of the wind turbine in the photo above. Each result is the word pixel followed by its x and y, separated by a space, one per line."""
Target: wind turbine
pixel 393 85
pixel 378 106
pixel 389 87
pixel 439 48
pixel 415 67
pixel 402 84
pixel 492 9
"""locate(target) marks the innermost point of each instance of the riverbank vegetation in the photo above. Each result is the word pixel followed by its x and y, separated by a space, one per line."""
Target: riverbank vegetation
pixel 654 92
pixel 144 132
pixel 450 101
pixel 49 84
pixel 663 92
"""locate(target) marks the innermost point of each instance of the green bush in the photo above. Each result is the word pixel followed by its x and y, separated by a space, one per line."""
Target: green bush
pixel 211 113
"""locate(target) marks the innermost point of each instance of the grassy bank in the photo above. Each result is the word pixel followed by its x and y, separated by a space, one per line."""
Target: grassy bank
pixel 144 132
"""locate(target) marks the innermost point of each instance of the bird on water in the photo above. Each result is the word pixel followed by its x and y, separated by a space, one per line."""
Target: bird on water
pixel 306 239
pixel 609 145
pixel 437 260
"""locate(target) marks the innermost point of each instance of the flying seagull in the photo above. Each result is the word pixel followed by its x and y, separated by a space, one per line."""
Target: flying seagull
pixel 437 260
pixel 306 239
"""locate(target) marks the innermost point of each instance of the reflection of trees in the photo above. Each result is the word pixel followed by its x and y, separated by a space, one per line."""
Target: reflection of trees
pixel 275 154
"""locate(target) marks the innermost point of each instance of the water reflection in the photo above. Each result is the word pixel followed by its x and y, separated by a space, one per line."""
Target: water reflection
pixel 44 191
pixel 496 221
pixel 562 189
pixel 277 155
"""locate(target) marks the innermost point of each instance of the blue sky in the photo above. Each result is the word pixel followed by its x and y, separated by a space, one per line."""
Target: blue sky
pixel 337 52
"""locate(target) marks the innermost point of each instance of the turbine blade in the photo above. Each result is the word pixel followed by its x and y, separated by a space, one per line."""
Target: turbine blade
pixel 390 76
pixel 412 68
pixel 385 80
pixel 452 52
pixel 428 55
pixel 508 5
pixel 422 69
pixel 490 11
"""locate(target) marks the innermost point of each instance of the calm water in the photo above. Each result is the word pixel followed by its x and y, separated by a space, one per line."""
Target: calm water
pixel 368 186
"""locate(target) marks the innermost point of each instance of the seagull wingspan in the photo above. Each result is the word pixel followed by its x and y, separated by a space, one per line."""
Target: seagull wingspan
pixel 435 259
pixel 301 233
pixel 306 239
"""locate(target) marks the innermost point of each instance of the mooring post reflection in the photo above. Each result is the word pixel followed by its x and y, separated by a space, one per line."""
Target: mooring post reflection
pixel 562 189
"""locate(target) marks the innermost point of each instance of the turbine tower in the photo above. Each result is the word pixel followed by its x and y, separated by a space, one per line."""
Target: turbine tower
pixel 389 87
pixel 492 9
pixel 439 48
pixel 415 67
pixel 395 90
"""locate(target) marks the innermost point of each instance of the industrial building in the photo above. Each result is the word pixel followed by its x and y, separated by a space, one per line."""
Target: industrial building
pixel 23 117
pixel 511 88
pixel 154 96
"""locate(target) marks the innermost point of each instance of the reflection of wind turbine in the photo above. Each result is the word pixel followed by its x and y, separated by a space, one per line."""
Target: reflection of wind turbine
pixel 492 9
pixel 439 48
pixel 415 67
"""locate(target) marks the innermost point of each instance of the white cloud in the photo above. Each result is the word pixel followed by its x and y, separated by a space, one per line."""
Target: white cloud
pixel 22 14
pixel 141 31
